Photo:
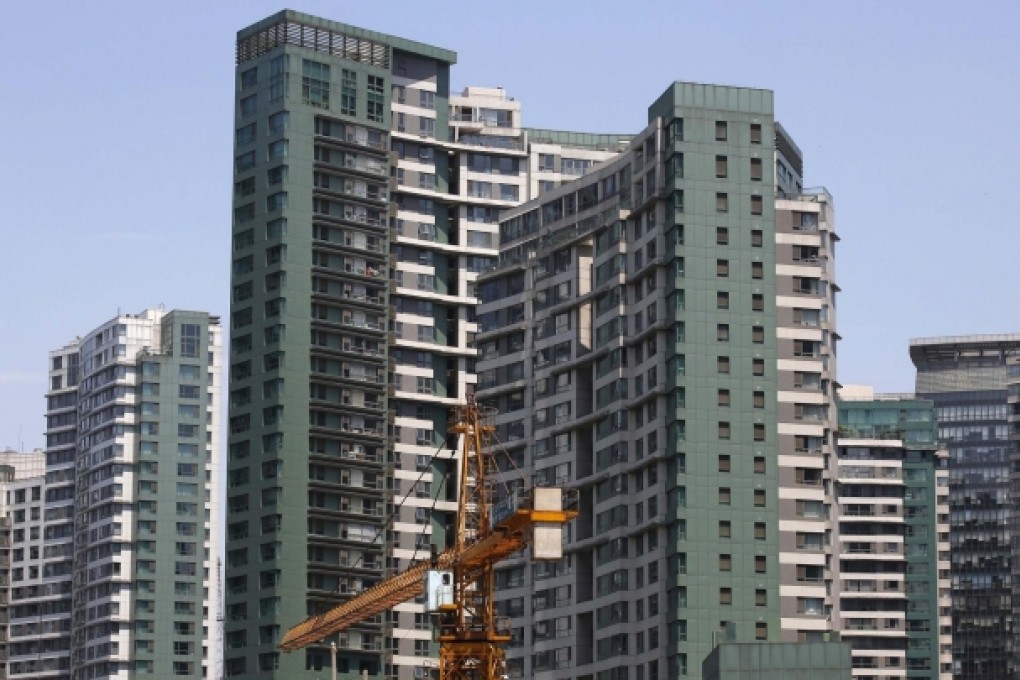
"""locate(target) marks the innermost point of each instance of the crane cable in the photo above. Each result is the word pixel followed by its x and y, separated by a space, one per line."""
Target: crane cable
pixel 325 606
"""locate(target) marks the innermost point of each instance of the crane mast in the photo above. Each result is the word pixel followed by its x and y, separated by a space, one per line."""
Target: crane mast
pixel 459 583
pixel 471 645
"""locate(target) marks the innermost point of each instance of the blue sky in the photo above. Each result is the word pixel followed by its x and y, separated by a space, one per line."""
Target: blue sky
pixel 116 121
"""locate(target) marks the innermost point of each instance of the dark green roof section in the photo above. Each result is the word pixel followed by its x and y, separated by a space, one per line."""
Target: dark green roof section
pixel 586 140
pixel 402 44
pixel 681 95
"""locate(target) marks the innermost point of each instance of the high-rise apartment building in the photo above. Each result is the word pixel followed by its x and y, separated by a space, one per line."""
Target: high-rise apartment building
pixel 890 538
pixel 367 197
pixel 660 335
pixel 128 565
pixel 966 377
pixel 26 650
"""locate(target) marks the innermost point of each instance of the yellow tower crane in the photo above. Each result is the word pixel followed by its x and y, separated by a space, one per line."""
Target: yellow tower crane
pixel 458 583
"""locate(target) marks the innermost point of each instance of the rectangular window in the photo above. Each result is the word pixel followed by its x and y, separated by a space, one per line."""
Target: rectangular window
pixel 349 93
pixel 756 133
pixel 722 268
pixel 723 398
pixel 245 135
pixel 757 302
pixel 315 83
pixel 757 239
pixel 724 430
pixel 722 202
pixel 279 122
pixel 249 78
pixel 374 102
pixel 721 167
pixel 759 498
pixel 724 464
pixel 721 132
pixel 722 300
pixel 758 334
pixel 722 236
pixel 723 364
pixel 249 106
pixel 755 169
pixel 757 270
pixel 756 205
pixel 722 332
pixel 758 367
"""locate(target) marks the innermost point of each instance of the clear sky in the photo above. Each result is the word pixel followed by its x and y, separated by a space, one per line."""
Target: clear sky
pixel 116 123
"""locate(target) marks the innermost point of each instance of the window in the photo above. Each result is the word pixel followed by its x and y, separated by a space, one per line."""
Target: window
pixel 724 463
pixel 757 302
pixel 756 205
pixel 349 93
pixel 759 498
pixel 724 495
pixel 759 564
pixel 725 596
pixel 756 238
pixel 315 83
pixel 755 169
pixel 249 78
pixel 722 236
pixel 757 270
pixel 761 631
pixel 724 430
pixel 722 300
pixel 249 106
pixel 278 149
pixel 725 561
pixel 722 332
pixel 721 132
pixel 759 432
pixel 279 122
pixel 722 202
pixel 759 465
pixel 721 167
pixel 758 367
pixel 759 399
pixel 427 126
pixel 245 135
pixel 722 364
pixel 245 161
pixel 756 133
pixel 722 268
pixel 725 531
pixel 191 339
pixel 723 398
pixel 374 101
pixel 758 334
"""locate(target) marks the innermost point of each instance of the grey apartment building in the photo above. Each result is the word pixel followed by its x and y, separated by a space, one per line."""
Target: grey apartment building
pixel 660 335
pixel 367 197
pixel 126 587
pixel 967 379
